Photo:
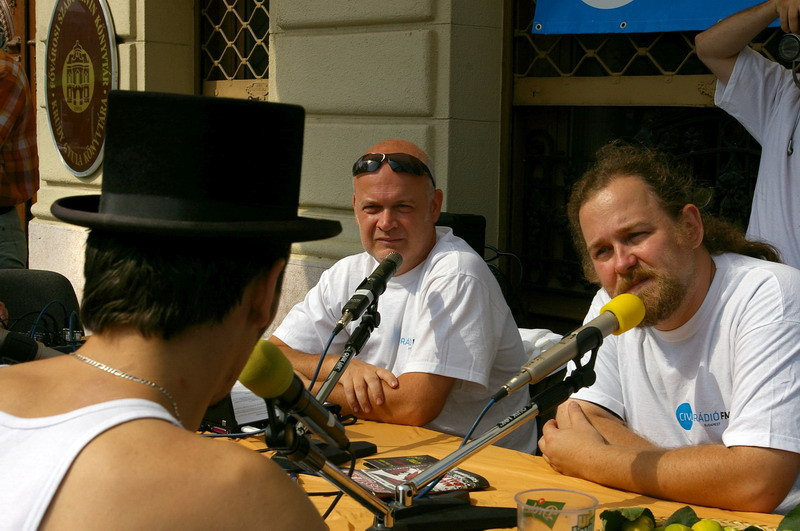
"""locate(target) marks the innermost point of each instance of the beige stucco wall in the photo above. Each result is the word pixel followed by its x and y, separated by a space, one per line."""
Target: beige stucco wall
pixel 429 71
pixel 156 51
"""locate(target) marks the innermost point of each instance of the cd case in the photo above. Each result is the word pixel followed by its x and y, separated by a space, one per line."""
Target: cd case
pixel 386 473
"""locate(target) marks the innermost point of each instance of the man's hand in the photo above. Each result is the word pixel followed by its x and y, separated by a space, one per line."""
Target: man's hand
pixel 789 13
pixel 565 443
pixel 362 386
pixel 360 382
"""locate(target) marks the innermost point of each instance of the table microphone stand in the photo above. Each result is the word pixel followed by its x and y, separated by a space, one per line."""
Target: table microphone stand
pixel 369 321
pixel 404 515
pixel 408 513
pixel 285 439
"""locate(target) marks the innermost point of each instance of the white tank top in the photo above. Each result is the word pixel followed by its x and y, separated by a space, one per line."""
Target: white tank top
pixel 36 453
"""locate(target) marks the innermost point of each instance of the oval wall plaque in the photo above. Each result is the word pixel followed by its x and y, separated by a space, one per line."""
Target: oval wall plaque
pixel 80 70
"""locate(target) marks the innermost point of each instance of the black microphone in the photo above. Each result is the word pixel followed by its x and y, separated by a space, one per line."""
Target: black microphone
pixel 20 348
pixel 622 313
pixel 269 374
pixel 369 290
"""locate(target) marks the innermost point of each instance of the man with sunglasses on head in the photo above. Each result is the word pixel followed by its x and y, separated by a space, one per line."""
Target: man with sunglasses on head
pixel 761 94
pixel 446 338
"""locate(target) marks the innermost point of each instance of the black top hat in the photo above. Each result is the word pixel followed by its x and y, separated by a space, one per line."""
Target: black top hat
pixel 199 166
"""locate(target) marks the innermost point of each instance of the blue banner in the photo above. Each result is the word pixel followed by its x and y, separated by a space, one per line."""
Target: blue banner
pixel 632 16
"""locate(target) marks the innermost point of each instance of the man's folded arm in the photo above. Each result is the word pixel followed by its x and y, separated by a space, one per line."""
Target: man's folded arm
pixel 418 398
pixel 374 393
pixel 743 478
pixel 611 427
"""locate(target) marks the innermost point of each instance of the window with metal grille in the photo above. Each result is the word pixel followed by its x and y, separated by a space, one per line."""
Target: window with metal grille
pixel 234 37
pixel 613 69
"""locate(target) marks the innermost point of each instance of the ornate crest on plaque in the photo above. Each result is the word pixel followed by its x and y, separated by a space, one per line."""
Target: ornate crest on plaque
pixel 78 79
pixel 81 69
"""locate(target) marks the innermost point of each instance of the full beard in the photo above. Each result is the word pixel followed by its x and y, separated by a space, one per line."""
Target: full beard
pixel 661 298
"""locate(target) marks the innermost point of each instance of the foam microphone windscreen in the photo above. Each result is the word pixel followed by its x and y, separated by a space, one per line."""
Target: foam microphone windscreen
pixel 267 373
pixel 628 309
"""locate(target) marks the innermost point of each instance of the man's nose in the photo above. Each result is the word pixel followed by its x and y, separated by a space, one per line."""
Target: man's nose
pixel 624 260
pixel 386 221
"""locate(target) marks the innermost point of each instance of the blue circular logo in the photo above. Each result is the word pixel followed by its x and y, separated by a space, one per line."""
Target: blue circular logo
pixel 684 415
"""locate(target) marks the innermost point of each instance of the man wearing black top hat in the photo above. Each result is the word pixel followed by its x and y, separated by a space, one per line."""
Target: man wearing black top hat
pixel 184 260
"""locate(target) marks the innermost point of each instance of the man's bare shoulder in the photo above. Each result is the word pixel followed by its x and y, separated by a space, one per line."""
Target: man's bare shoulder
pixel 150 473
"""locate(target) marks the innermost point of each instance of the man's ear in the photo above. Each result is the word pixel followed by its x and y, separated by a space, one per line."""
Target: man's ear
pixel 436 205
pixel 266 294
pixel 691 224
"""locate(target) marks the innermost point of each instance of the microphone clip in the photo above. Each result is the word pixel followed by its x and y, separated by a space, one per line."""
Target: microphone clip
pixel 584 375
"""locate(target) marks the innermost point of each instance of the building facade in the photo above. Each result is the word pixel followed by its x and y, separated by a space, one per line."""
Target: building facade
pixel 429 71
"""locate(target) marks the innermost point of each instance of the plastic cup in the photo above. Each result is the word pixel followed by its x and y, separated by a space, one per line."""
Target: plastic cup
pixel 555 510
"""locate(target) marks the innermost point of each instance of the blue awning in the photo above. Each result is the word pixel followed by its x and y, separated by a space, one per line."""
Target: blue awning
pixel 632 16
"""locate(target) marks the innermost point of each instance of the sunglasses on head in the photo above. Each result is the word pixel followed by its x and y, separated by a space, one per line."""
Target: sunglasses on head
pixel 398 162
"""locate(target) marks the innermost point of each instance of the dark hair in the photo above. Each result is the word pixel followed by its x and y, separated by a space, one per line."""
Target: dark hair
pixel 164 285
pixel 672 183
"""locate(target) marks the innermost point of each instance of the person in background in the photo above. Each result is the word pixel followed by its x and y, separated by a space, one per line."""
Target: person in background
pixel 699 403
pixel 446 340
pixel 183 273
pixel 764 98
pixel 19 160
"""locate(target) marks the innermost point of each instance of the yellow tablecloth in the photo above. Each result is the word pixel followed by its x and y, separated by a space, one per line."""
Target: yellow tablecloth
pixel 508 472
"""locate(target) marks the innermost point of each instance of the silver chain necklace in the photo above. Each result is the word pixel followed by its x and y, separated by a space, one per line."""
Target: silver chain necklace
pixel 125 375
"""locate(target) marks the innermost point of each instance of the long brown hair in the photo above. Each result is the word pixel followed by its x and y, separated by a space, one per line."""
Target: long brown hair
pixel 672 183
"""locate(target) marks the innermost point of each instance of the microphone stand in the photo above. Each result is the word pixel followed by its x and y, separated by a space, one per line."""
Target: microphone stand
pixel 295 446
pixel 369 320
pixel 407 513
pixel 582 376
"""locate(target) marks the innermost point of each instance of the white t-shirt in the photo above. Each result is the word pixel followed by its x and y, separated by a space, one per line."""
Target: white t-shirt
pixel 447 316
pixel 762 96
pixel 730 375
pixel 38 452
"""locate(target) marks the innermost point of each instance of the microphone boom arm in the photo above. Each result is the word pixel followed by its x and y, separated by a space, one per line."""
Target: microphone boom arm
pixel 582 376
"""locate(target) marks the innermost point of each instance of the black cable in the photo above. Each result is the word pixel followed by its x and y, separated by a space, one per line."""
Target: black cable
pixel 319 363
pixel 71 332
pixel 340 493
pixel 477 421
pixel 498 253
pixel 43 312
pixel 17 320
